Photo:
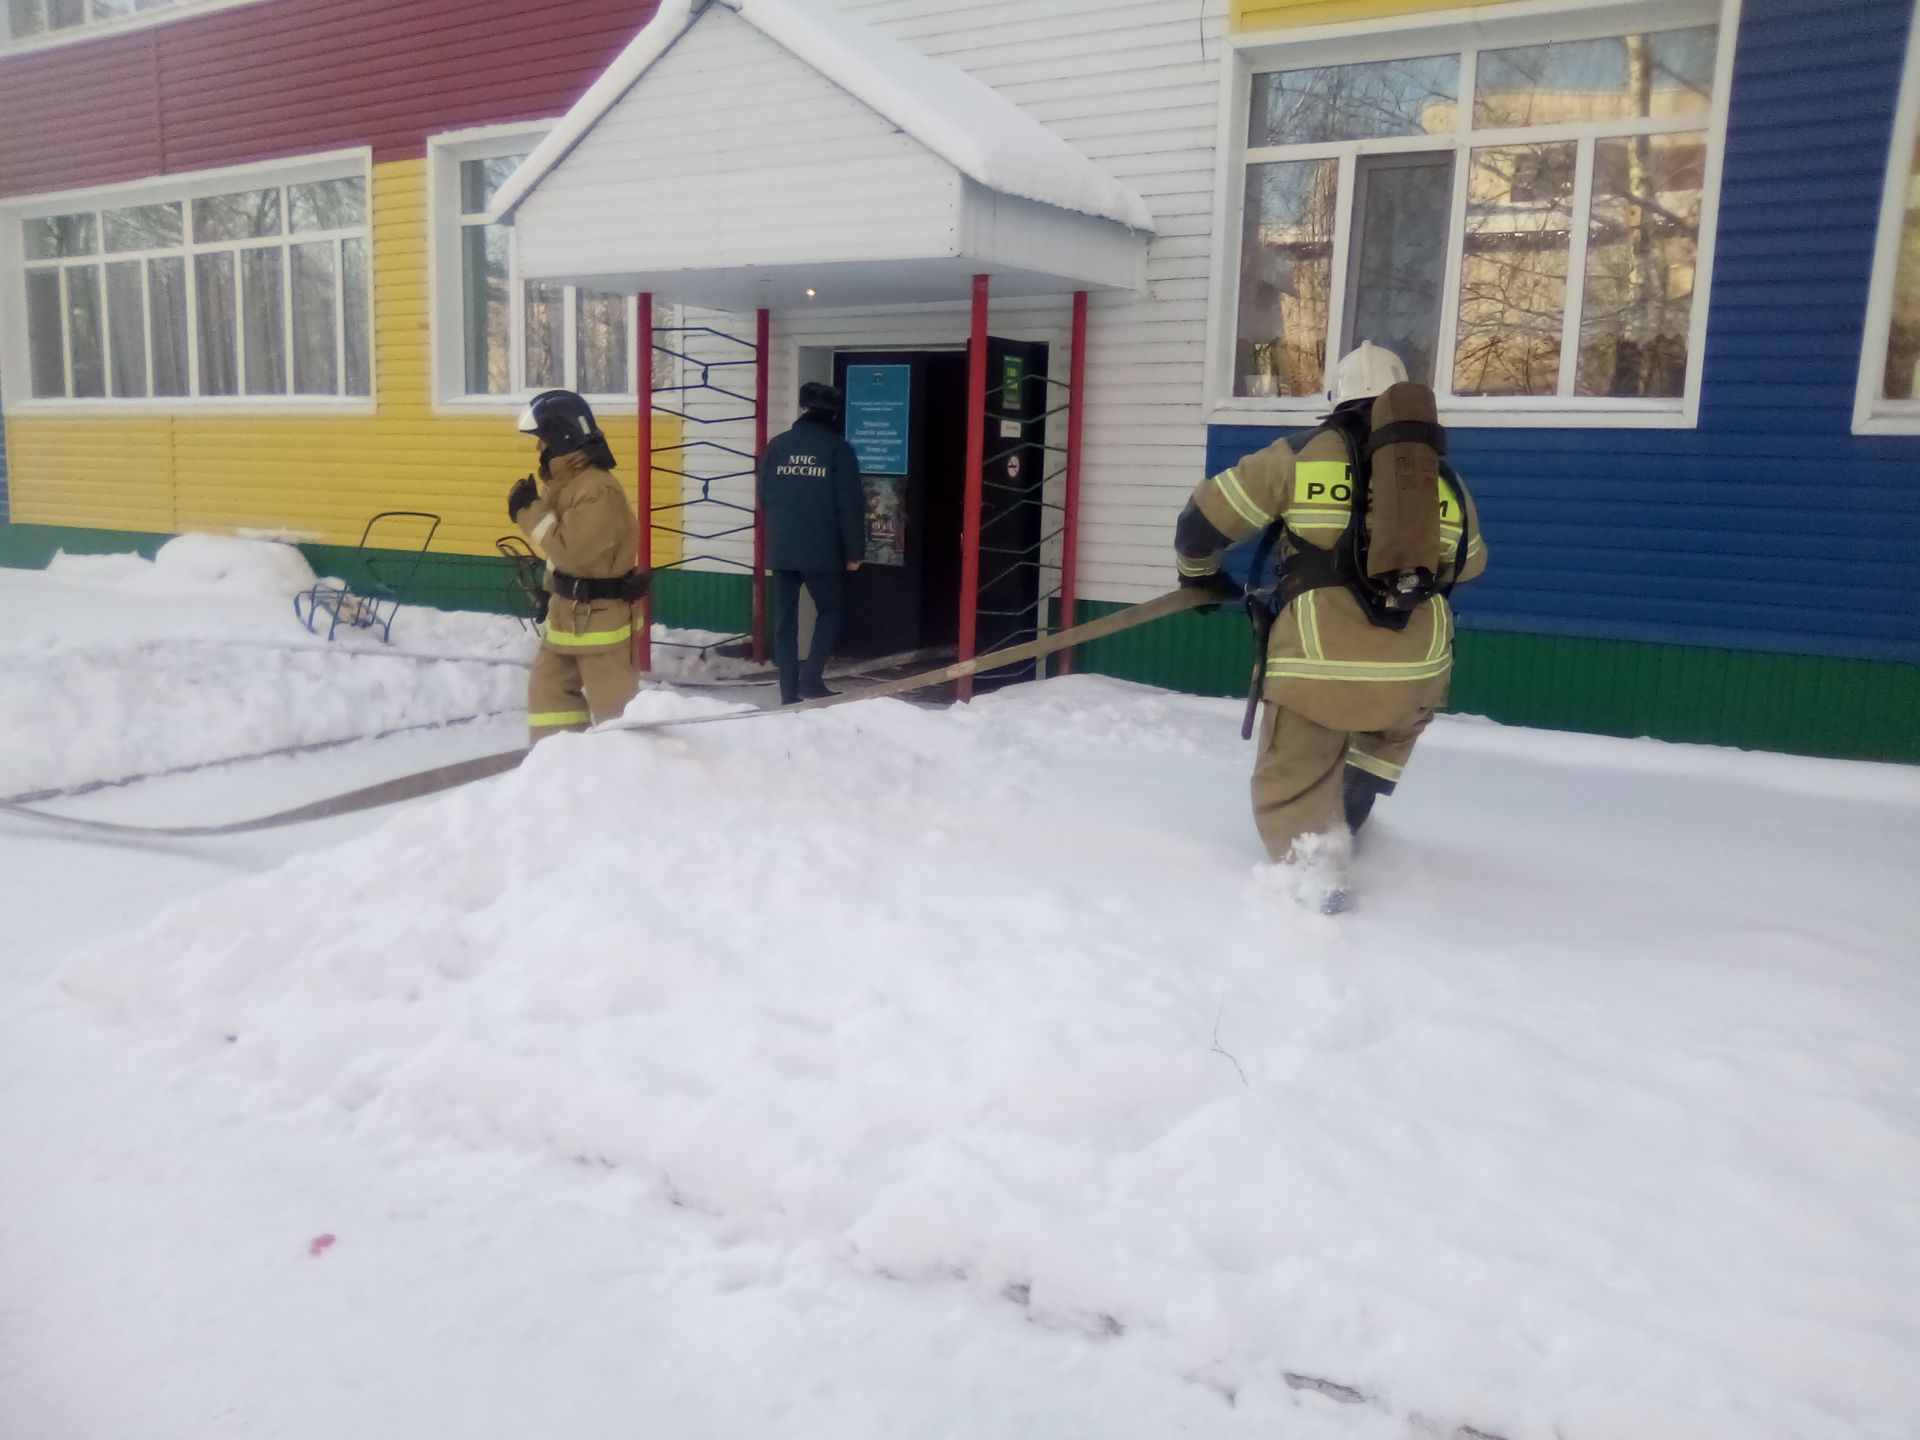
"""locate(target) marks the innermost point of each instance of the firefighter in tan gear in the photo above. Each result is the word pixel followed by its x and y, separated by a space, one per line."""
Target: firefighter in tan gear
pixel 1360 648
pixel 579 518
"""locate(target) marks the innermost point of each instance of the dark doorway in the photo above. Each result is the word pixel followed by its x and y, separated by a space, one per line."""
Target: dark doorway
pixel 907 418
pixel 906 414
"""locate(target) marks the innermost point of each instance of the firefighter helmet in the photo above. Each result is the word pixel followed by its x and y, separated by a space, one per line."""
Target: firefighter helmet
pixel 1366 371
pixel 563 421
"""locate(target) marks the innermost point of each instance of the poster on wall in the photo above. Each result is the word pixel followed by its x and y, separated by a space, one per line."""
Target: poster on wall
pixel 886 519
pixel 879 412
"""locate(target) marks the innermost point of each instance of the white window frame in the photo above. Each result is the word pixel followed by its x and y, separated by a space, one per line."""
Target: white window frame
pixel 93 29
pixel 1523 22
pixel 15 359
pixel 445 223
pixel 1873 414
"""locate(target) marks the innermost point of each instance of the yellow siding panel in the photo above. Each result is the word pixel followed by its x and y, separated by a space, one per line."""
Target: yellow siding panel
pixel 310 477
pixel 114 474
pixel 1256 15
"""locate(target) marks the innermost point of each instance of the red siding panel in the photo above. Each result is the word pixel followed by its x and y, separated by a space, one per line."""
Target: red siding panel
pixel 80 115
pixel 288 77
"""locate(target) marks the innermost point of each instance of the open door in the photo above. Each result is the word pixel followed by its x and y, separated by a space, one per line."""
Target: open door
pixel 907 420
pixel 906 416
pixel 1012 510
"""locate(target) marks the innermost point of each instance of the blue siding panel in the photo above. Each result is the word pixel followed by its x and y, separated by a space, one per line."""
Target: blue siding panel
pixel 1771 526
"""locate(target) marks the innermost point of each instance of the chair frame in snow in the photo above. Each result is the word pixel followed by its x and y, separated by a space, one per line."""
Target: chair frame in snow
pixel 373 605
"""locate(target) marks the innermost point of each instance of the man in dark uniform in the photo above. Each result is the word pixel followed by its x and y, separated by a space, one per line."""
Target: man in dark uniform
pixel 816 518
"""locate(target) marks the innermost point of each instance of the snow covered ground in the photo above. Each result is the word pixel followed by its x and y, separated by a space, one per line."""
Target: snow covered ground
pixel 889 1072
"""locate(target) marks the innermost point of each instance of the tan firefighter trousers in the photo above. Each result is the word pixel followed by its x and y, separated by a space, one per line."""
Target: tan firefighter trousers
pixel 1299 775
pixel 569 690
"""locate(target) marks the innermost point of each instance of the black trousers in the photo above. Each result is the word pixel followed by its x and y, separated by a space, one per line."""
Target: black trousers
pixel 828 587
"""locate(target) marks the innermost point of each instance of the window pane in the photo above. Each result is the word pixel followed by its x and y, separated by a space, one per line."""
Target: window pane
pixel 1400 256
pixel 1286 269
pixel 243 216
pixel 65 14
pixel 1669 72
pixel 327 205
pixel 46 347
pixel 111 10
pixel 152 4
pixel 480 180
pixel 1902 379
pixel 1513 274
pixel 316 363
pixel 214 299
pixel 86 344
pixel 356 296
pixel 263 318
pixel 1355 102
pixel 24 18
pixel 1641 242
pixel 600 336
pixel 546 335
pixel 143 227
pixel 53 237
pixel 486 324
pixel 127 329
pixel 167 305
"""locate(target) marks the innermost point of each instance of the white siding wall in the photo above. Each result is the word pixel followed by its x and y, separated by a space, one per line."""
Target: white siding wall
pixel 785 167
pixel 1132 84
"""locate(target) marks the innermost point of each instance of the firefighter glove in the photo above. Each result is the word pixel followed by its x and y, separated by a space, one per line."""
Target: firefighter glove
pixel 525 491
pixel 1219 584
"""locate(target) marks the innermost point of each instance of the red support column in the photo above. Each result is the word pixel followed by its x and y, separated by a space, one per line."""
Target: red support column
pixel 643 469
pixel 976 466
pixel 761 361
pixel 1070 530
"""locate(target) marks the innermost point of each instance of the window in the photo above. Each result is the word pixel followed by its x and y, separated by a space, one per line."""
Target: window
pixel 33 19
pixel 1522 224
pixel 1888 399
pixel 257 292
pixel 518 336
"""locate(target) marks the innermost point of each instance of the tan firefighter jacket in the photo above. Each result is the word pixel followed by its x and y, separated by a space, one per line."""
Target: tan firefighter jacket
pixel 584 525
pixel 1324 653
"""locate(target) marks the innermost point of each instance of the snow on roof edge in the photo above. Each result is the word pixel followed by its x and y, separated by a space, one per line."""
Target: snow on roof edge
pixel 655 38
pixel 961 119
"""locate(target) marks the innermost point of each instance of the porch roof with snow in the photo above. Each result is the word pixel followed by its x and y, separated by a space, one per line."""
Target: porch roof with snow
pixel 742 154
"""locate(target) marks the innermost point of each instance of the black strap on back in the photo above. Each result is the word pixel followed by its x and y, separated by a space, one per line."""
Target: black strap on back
pixel 1408 432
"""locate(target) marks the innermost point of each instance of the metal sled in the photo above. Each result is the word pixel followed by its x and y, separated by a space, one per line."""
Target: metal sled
pixel 374 604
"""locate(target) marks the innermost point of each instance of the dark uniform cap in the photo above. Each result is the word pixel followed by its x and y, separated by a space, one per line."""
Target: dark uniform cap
pixel 815 396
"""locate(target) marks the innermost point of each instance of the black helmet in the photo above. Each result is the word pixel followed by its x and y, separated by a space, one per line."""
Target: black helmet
pixel 562 419
pixel 816 396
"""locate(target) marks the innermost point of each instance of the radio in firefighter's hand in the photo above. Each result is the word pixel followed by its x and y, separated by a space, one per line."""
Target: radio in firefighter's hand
pixel 578 516
pixel 1347 540
pixel 524 492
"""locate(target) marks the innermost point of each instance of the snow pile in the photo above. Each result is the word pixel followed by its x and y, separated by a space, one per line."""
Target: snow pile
pixel 196 564
pixel 961 119
pixel 197 657
pixel 1592 1121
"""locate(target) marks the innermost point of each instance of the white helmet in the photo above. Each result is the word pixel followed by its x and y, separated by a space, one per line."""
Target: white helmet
pixel 1366 372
